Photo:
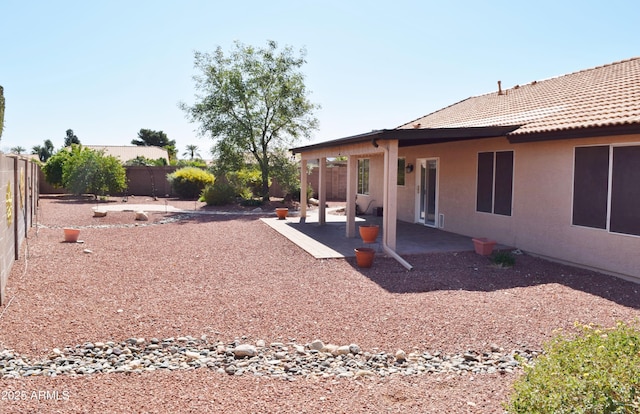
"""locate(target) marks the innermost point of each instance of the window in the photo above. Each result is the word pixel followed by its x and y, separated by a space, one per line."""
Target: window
pixel 495 182
pixel 606 194
pixel 401 170
pixel 363 176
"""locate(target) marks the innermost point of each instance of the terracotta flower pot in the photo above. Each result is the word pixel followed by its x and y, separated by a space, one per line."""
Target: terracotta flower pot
pixel 364 256
pixel 71 235
pixel 369 232
pixel 282 212
pixel 483 246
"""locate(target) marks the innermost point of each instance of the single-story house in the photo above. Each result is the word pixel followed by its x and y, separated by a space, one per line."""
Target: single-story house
pixel 129 152
pixel 551 167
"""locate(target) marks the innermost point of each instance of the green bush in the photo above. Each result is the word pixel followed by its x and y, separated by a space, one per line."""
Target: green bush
pixel 596 372
pixel 189 182
pixel 247 182
pixel 89 171
pixel 286 172
pixel 295 194
pixel 218 194
pixel 53 168
pixel 251 202
pixel 503 259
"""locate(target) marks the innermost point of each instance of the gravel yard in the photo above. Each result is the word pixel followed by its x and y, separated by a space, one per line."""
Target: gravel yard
pixel 220 281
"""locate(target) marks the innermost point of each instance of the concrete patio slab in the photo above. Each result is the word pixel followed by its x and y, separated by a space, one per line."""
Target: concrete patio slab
pixel 330 241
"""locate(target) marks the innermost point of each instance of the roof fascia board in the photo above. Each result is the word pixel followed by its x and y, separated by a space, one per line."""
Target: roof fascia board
pixel 408 137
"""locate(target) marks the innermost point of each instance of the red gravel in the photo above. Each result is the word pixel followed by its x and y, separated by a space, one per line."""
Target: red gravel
pixel 232 276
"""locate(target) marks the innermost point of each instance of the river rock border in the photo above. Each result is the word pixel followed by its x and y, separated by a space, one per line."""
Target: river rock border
pixel 277 360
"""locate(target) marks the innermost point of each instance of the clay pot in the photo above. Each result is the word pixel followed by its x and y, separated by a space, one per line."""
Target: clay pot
pixel 71 235
pixel 369 232
pixel 483 246
pixel 282 212
pixel 364 256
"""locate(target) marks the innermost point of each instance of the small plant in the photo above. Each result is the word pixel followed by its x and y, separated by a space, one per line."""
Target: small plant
pixel 251 202
pixel 596 372
pixel 503 259
pixel 189 182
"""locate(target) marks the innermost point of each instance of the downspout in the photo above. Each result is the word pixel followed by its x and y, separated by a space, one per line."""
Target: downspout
pixel 385 205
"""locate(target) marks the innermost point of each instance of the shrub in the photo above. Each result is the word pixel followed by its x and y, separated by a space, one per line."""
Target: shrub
pixel 286 172
pixel 247 182
pixel 218 194
pixel 295 194
pixel 596 372
pixel 503 259
pixel 189 182
pixel 53 168
pixel 89 171
pixel 251 202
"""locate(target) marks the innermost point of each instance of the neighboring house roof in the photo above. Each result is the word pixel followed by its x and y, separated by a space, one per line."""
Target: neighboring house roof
pixel 595 102
pixel 129 152
pixel 604 96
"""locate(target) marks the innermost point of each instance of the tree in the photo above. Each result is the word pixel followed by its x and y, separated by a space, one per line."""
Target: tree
pixel 141 161
pixel 191 151
pixel 71 138
pixel 253 100
pixel 150 138
pixel 53 168
pixel 1 110
pixel 89 171
pixel 18 150
pixel 44 151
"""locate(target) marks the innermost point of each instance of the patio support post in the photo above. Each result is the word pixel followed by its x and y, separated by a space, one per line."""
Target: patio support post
pixel 322 191
pixel 390 210
pixel 303 190
pixel 352 176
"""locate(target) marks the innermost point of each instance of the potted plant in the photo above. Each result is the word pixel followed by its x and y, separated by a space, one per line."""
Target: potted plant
pixel 364 256
pixel 483 246
pixel 369 232
pixel 71 234
pixel 282 212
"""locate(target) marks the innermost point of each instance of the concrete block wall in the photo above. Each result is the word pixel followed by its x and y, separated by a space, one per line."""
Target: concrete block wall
pixel 19 190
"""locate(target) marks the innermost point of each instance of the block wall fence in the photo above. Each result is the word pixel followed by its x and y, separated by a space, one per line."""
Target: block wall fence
pixel 19 187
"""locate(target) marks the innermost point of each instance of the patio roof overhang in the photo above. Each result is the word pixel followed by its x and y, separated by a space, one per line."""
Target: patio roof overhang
pixel 412 137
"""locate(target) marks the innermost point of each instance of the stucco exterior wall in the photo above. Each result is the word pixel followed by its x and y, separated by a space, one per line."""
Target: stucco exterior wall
pixel 542 202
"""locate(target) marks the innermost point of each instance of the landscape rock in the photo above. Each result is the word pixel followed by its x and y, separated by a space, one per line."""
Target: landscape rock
pixel 278 360
pixel 142 216
pixel 245 350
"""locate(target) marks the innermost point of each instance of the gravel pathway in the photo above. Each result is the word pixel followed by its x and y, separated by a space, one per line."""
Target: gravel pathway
pixel 246 321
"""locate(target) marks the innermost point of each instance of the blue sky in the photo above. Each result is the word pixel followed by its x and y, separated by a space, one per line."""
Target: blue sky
pixel 106 69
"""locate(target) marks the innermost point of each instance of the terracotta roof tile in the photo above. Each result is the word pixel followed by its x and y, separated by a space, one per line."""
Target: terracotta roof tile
pixel 603 96
pixel 129 152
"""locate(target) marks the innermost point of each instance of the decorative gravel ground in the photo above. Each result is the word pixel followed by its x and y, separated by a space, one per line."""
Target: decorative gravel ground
pixel 195 293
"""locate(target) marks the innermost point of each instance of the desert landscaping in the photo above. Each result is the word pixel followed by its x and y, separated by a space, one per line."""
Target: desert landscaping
pixel 218 312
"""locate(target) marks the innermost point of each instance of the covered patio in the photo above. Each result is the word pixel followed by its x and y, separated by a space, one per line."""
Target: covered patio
pixel 381 147
pixel 327 240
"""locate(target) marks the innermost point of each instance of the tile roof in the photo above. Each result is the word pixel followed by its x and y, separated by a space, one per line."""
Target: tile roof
pixel 129 152
pixel 604 96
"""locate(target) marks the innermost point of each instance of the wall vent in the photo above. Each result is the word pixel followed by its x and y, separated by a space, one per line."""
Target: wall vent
pixel 441 221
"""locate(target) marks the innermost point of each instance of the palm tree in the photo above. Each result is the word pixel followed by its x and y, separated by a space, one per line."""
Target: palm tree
pixel 191 151
pixel 44 151
pixel 18 150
